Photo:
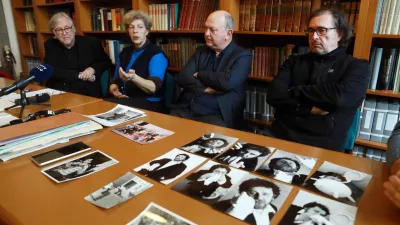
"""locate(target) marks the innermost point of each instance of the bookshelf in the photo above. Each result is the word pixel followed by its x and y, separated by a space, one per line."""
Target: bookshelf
pixel 372 144
pixel 249 39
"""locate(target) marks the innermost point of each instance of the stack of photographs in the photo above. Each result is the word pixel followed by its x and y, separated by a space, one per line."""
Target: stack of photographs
pixel 143 132
pixel 119 114
pixel 210 145
pixel 118 191
pixel 170 166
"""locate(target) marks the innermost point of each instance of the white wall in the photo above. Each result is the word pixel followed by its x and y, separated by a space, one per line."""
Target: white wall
pixel 12 35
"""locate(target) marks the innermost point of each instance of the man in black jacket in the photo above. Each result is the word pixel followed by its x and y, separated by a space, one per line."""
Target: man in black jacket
pixel 214 79
pixel 317 94
pixel 78 61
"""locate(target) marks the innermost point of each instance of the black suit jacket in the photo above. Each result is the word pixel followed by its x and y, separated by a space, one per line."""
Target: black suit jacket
pixel 90 54
pixel 164 173
pixel 229 78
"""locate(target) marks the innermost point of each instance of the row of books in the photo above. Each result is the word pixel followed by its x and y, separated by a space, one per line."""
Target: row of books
pixel 27 2
pixel 378 117
pixel 33 45
pixel 387 20
pixel 288 15
pixel 370 153
pixel 178 50
pixel 256 104
pixel 267 60
pixel 32 63
pixel 164 16
pixel 385 67
pixel 30 22
pixel 108 19
pixel 194 13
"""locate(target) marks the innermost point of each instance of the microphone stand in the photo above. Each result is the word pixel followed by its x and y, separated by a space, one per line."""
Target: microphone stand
pixel 24 102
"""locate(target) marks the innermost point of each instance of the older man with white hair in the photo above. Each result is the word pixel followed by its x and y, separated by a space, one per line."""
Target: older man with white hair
pixel 214 79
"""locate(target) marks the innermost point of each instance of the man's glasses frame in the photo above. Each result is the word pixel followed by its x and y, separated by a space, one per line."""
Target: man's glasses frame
pixel 321 31
pixel 61 31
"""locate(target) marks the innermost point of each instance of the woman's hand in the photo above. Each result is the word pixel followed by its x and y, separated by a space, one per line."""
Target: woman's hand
pixel 115 92
pixel 126 76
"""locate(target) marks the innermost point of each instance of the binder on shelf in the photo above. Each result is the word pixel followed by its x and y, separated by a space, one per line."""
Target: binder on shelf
pixel 391 118
pixel 367 117
pixel 379 119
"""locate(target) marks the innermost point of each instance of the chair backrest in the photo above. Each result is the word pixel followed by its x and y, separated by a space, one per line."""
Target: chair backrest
pixel 105 83
pixel 352 132
pixel 169 90
pixel 5 74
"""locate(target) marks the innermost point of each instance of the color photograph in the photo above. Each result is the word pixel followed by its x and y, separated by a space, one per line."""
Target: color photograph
pixel 143 132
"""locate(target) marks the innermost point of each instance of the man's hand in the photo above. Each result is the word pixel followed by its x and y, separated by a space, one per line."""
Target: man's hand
pixel 318 111
pixel 211 91
pixel 243 205
pixel 195 74
pixel 320 220
pixel 126 76
pixel 87 75
pixel 392 189
pixel 115 91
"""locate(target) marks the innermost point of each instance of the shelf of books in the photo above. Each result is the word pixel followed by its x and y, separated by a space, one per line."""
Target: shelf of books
pixel 372 144
pixel 54 3
pixel 389 93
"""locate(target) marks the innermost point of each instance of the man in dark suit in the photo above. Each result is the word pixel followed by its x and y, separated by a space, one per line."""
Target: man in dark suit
pixel 253 202
pixel 307 215
pixel 317 94
pixel 213 80
pixel 78 61
pixel 165 169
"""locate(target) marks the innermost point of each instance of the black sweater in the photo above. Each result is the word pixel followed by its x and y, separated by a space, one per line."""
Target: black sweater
pixel 335 82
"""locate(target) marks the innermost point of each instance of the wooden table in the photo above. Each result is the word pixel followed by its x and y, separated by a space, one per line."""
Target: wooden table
pixel 28 197
pixel 66 100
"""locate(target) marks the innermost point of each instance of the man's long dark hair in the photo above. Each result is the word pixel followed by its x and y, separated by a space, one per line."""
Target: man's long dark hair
pixel 339 22
pixel 316 204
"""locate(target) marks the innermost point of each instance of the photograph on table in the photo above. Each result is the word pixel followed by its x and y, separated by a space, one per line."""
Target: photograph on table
pixel 143 132
pixel 79 167
pixel 157 215
pixel 338 182
pixel 209 183
pixel 254 200
pixel 309 209
pixel 210 145
pixel 118 191
pixel 119 114
pixel 170 166
pixel 245 156
pixel 288 167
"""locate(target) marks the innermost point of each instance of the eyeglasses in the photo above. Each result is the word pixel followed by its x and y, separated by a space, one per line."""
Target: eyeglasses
pixel 321 31
pixel 60 30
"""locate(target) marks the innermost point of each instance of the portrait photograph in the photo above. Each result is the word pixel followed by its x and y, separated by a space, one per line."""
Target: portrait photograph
pixel 118 191
pixel 288 167
pixel 79 167
pixel 170 166
pixel 245 156
pixel 119 114
pixel 339 183
pixel 143 132
pixel 157 215
pixel 254 200
pixel 209 183
pixel 310 209
pixel 210 145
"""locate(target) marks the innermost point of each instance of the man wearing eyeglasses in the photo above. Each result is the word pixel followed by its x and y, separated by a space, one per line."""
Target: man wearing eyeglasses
pixel 78 61
pixel 317 94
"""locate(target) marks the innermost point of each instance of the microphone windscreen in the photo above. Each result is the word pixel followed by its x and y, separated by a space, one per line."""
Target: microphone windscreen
pixel 42 72
pixel 42 97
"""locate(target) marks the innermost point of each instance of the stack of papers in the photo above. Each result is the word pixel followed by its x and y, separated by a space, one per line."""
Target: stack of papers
pixel 5 118
pixel 15 147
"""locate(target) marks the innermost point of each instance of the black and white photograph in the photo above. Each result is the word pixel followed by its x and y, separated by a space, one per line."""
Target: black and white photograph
pixel 288 167
pixel 79 167
pixel 118 191
pixel 209 183
pixel 157 215
pixel 310 209
pixel 210 145
pixel 119 114
pixel 338 182
pixel 143 132
pixel 246 156
pixel 170 166
pixel 254 200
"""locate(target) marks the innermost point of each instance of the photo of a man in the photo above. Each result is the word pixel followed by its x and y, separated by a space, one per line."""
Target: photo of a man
pixel 245 156
pixel 288 167
pixel 209 145
pixel 256 200
pixel 209 183
pixel 309 209
pixel 170 166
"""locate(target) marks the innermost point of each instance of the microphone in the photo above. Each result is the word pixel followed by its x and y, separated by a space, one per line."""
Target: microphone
pixel 39 98
pixel 39 73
